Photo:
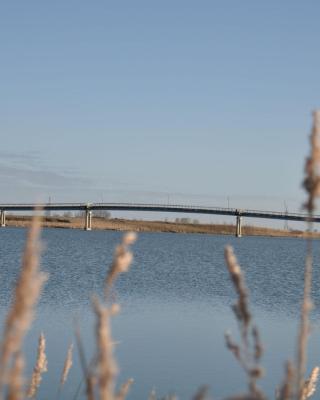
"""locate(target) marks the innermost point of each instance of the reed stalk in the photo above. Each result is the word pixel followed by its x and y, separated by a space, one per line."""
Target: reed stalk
pixel 311 184
pixel 106 365
pixel 21 312
pixel 16 381
pixel 40 367
pixel 124 389
pixel 248 357
pixel 67 366
pixel 286 391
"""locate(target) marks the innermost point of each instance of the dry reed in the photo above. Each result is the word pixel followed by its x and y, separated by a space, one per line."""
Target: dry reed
pixel 67 366
pixel 26 295
pixel 249 358
pixel 106 367
pixel 310 384
pixel 16 381
pixel 122 260
pixel 285 392
pixel 39 369
pixel 304 328
pixel 312 166
pixel 106 364
pixel 312 185
pixel 201 394
pixel 124 389
pixel 88 376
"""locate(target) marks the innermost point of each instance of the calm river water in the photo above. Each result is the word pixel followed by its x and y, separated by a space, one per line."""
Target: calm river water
pixel 175 307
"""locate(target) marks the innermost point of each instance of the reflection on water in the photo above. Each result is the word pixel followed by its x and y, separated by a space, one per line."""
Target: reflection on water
pixel 175 306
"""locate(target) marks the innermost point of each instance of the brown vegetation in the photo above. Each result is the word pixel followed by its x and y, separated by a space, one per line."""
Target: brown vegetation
pixel 157 226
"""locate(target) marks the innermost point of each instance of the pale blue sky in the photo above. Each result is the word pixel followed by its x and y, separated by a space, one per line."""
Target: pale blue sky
pixel 141 100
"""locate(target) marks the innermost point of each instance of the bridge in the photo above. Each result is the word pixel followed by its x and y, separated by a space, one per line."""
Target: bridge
pixel 88 208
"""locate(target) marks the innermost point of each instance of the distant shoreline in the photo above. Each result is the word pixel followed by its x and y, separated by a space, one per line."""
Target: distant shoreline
pixel 156 226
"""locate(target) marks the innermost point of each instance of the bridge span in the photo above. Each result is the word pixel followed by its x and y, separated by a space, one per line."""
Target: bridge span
pixel 88 208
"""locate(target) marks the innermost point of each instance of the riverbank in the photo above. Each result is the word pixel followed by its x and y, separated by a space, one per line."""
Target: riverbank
pixel 156 226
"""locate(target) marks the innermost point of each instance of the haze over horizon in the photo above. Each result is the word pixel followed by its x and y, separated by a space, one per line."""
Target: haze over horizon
pixel 176 101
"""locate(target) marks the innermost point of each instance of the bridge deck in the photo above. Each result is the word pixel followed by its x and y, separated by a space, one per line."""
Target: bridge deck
pixel 161 208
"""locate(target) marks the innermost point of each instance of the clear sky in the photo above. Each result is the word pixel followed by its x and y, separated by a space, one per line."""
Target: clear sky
pixel 179 101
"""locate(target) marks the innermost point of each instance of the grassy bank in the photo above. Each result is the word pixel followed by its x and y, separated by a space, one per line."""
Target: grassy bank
pixel 157 226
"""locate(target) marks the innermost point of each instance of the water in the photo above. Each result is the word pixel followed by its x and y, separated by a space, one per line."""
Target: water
pixel 175 307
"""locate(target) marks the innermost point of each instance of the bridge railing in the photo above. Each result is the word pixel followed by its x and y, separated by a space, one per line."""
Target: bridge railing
pixel 82 206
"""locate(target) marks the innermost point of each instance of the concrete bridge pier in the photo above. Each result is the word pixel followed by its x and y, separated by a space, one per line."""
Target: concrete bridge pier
pixel 3 218
pixel 88 220
pixel 238 226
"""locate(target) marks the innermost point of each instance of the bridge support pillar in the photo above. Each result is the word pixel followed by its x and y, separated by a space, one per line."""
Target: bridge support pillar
pixel 3 218
pixel 88 220
pixel 238 226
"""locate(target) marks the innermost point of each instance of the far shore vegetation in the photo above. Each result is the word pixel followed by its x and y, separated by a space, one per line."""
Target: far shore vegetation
pixel 179 225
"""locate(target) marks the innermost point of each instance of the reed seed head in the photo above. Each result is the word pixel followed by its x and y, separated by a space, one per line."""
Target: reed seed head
pixel 124 390
pixel 67 366
pixel 40 367
pixel 312 166
pixel 122 260
pixel 310 384
pixel 241 308
pixel 129 238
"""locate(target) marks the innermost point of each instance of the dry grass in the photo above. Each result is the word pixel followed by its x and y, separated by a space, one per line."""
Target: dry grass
pixel 285 392
pixel 21 312
pixel 124 389
pixel 121 261
pixel 312 185
pixel 67 366
pixel 39 369
pixel 248 357
pixel 310 384
pixel 106 369
pixel 16 380
pixel 124 225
